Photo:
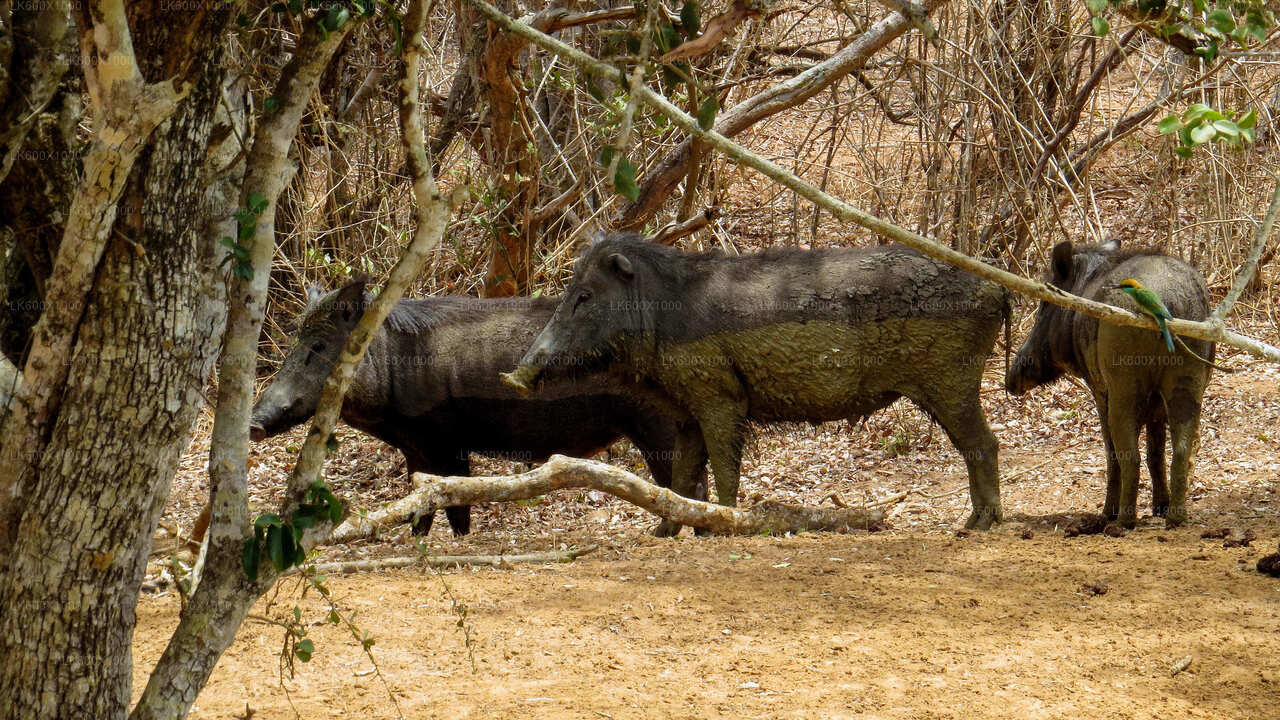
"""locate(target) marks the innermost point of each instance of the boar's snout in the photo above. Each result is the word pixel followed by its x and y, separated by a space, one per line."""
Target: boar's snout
pixel 257 433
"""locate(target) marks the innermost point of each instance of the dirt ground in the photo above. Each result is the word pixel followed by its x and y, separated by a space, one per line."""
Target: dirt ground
pixel 914 622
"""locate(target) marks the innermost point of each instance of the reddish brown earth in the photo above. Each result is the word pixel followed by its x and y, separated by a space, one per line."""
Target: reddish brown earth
pixel 910 623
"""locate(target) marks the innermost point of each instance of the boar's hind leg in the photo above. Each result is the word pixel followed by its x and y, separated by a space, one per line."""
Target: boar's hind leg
pixel 966 426
pixel 1155 464
pixel 1184 432
pixel 1122 422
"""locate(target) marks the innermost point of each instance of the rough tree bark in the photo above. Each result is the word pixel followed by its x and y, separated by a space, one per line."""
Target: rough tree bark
pixel 129 345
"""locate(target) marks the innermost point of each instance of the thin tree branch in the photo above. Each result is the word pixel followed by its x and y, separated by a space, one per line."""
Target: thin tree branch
pixel 1251 263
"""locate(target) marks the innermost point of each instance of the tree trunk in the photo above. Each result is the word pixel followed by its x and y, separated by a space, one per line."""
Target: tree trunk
pixel 142 350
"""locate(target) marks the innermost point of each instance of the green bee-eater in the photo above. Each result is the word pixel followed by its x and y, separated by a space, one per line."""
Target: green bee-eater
pixel 1151 303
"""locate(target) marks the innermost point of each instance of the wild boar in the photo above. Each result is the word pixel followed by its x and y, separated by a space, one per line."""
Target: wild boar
pixel 429 386
pixel 1136 381
pixel 786 335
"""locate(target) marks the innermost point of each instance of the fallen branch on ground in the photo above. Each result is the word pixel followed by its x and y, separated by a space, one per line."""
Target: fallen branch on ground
pixel 448 561
pixel 559 473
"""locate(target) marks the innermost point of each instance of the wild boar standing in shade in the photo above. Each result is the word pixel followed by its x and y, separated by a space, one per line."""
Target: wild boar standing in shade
pixel 1136 381
pixel 428 385
pixel 786 335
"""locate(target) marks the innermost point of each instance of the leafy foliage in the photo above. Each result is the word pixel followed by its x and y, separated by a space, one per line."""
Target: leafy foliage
pixel 281 539
pixel 1201 125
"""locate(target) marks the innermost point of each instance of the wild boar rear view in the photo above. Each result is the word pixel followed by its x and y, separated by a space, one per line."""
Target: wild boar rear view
pixel 1136 380
pixel 786 335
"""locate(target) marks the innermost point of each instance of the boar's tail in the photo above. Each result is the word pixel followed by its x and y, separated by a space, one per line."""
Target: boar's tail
pixel 1007 311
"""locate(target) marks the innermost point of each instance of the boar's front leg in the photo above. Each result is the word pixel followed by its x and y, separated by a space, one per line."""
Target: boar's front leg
pixel 1122 421
pixel 722 425
pixel 458 464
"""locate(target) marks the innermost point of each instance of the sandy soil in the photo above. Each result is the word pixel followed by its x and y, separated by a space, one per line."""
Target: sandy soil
pixel 914 622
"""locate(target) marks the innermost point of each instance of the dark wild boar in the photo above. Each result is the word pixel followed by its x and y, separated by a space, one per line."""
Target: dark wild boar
pixel 788 335
pixel 1135 380
pixel 429 386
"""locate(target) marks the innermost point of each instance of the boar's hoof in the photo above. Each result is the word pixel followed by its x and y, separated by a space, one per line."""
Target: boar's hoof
pixel 982 519
pixel 1175 517
pixel 667 528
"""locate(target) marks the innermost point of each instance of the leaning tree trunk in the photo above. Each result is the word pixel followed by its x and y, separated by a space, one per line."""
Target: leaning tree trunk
pixel 90 494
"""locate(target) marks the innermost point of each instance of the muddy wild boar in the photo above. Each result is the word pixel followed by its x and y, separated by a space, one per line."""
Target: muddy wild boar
pixel 429 386
pixel 1136 381
pixel 786 335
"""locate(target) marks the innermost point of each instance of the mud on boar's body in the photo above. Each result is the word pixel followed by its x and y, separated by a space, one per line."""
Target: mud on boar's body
pixel 429 386
pixel 790 335
pixel 1136 381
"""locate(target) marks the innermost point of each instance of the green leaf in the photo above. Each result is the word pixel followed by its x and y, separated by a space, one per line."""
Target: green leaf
pixel 707 113
pixel 333 617
pixel 397 30
pixel 1226 127
pixel 1222 20
pixel 690 20
pixel 606 156
pixel 304 649
pixel 335 510
pixel 1095 6
pixel 295 6
pixel 1183 151
pixel 1249 120
pixel 249 558
pixel 275 546
pixel 257 203
pixel 243 20
pixel 1203 133
pixel 1169 125
pixel 268 520
pixel 669 37
pixel 304 521
pixel 331 444
pixel 336 17
pixel 1246 134
pixel 1195 112
pixel 1100 25
pixel 624 180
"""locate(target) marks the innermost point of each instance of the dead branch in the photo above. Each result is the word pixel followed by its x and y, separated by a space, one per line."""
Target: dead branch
pixel 448 561
pixel 676 230
pixel 553 206
pixel 662 179
pixel 1255 255
pixel 560 473
pixel 719 28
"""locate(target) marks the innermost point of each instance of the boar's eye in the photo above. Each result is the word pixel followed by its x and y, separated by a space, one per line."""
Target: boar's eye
pixel 317 348
pixel 583 296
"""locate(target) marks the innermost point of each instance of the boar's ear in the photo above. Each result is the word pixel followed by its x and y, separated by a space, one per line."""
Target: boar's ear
pixel 1112 244
pixel 1063 253
pixel 621 266
pixel 350 300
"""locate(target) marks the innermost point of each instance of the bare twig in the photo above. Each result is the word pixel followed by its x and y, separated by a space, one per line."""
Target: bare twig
pixel 1255 254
